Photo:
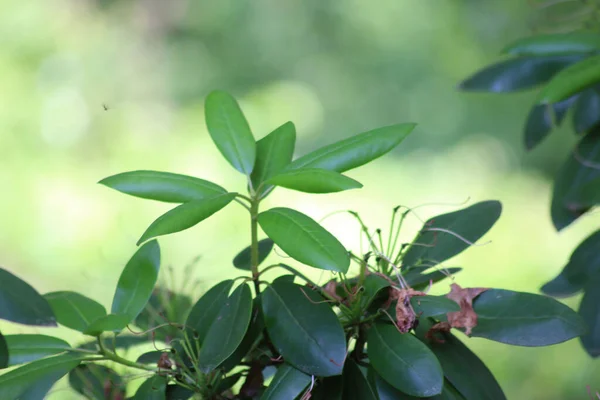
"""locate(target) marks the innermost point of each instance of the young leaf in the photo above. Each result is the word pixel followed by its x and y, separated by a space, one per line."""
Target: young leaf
pixel 287 383
pixel 74 310
pixel 230 131
pixel 517 74
pixel 431 306
pixel 20 303
pixel 97 382
pixel 294 314
pixel 207 308
pixel 34 380
pixel 556 43
pixel 356 385
pixel 304 239
pixel 227 330
pixel 356 150
pixel 242 260
pixel 525 319
pixel 186 215
pixel 404 362
pixel 162 186
pixel 154 388
pixel 4 356
pixel 589 309
pixel 447 235
pixel 273 153
pixel 314 180
pixel 137 281
pixel 24 348
pixel 108 323
pixel 542 118
pixel 587 110
pixel 571 80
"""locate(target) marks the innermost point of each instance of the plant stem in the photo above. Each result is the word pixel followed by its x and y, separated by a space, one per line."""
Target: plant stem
pixel 109 355
pixel 254 242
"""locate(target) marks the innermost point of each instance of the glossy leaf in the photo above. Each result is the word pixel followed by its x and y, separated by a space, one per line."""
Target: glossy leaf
pixel 162 186
pixel 571 80
pixel 153 388
pixel 418 280
pixel 254 332
pixel 430 306
pixel 24 348
pixel 589 309
pixel 108 323
pixel 436 245
pixel 230 131
pixel 356 150
pixel 4 356
pixel 207 308
pixel 242 260
pixel 404 361
pixel 273 153
pixel 74 310
pixel 385 391
pixel 586 115
pixel 542 119
pixel 96 382
pixel 583 265
pixel 137 281
pixel 517 74
pixel 579 170
pixel 287 383
pixel 314 180
pixel 556 43
pixel 227 330
pixel 356 385
pixel 304 329
pixel 21 303
pixel 524 319
pixel 304 239
pixel 34 380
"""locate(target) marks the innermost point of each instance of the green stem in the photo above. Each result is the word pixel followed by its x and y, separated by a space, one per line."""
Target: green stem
pixel 254 242
pixel 109 355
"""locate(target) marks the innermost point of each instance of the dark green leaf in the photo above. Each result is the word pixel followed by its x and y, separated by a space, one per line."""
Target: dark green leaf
pixel 355 151
pixel 583 265
pixel 230 131
pixel 257 325
pixel 21 303
pixel 356 385
pixel 154 388
pixel 328 388
pixel 24 348
pixel 385 391
pixel 571 80
pixel 542 119
pixel 185 216
pixel 207 308
pixel 373 285
pixel 96 382
pixel 589 193
pixel 74 310
pixel 304 329
pixel 431 306
pixel 162 186
pixel 304 239
pixel 273 153
pixel 150 357
pixel 176 392
pixel 418 280
pixel 524 319
pixel 227 330
pixel 137 281
pixel 108 323
pixel 227 382
pixel 404 361
pixel 587 110
pixel 285 278
pixel 33 380
pixel 580 169
pixel 314 180
pixel 517 73
pixel 556 43
pixel 439 238
pixel 164 305
pixel 589 309
pixel 4 356
pixel 242 260
pixel 287 383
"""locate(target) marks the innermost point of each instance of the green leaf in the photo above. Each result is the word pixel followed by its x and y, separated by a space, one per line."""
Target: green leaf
pixel 373 285
pixel 207 308
pixel 227 383
pixel 24 348
pixel 583 265
pixel 329 388
pixel 571 80
pixel 32 381
pixel 150 357
pixel 176 392
pixel 273 153
pixel 162 186
pixel 242 260
pixel 108 323
pixel 356 385
pixel 589 193
pixel 586 115
pixel 467 373
pixel 542 119
pixel 74 310
pixel 438 238
pixel 589 309
pixel 517 74
pixel 418 280
pixel 21 303
pixel 287 383
pixel 404 361
pixel 255 329
pixel 227 330
pixel 164 304
pixel 137 281
pixel 556 43
pixel 304 239
pixel 230 131
pixel 153 388
pixel 186 215
pixel 524 319
pixel 314 180
pixel 431 306
pixel 304 329
pixel 4 356
pixel 96 382
pixel 355 151
pixel 580 169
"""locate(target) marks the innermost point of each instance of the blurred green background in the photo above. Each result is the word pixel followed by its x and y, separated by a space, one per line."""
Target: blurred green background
pixel 334 68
